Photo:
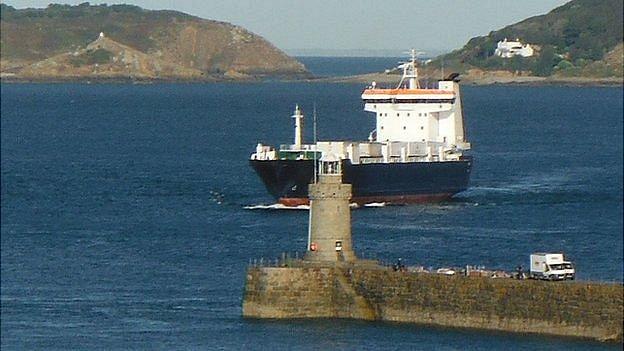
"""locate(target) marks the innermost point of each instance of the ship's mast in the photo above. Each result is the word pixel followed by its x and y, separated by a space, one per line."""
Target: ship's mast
pixel 315 140
pixel 298 116
pixel 410 72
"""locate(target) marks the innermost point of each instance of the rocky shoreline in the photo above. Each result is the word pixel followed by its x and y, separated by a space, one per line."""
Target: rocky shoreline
pixel 380 78
pixel 485 79
pixel 143 80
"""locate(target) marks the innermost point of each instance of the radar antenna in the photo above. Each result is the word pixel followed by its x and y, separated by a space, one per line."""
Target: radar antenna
pixel 410 71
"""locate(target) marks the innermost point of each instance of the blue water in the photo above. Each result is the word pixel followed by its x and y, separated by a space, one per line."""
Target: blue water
pixel 123 220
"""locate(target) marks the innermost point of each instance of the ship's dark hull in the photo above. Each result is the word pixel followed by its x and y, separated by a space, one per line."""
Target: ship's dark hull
pixel 398 183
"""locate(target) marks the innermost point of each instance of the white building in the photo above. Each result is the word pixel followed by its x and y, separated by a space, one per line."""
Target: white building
pixel 507 49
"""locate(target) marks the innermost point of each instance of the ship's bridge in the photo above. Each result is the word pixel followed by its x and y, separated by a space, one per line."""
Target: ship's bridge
pixel 404 95
pixel 413 114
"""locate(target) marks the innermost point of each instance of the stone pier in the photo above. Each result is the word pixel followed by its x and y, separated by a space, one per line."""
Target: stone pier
pixel 330 282
pixel 575 309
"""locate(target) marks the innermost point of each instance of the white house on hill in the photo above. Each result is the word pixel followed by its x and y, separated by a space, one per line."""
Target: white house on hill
pixel 507 49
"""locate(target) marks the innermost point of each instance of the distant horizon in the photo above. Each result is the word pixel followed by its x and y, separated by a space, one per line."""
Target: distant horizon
pixel 365 28
pixel 359 53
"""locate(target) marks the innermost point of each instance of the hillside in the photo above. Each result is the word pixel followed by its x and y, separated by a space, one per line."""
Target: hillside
pixel 106 58
pixel 582 38
pixel 58 42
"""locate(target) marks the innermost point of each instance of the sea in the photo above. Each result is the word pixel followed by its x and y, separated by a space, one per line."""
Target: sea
pixel 129 212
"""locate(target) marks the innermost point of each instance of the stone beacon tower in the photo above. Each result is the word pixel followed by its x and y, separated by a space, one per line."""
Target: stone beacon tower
pixel 329 231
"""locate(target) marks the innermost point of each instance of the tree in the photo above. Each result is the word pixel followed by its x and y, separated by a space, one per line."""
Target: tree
pixel 547 59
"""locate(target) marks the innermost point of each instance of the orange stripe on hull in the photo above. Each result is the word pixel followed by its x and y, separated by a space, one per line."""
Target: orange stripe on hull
pixel 389 199
pixel 406 91
pixel 293 201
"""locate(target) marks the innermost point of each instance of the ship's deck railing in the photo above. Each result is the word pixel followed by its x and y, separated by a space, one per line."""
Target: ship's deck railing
pixel 397 159
pixel 397 152
pixel 413 146
pixel 292 147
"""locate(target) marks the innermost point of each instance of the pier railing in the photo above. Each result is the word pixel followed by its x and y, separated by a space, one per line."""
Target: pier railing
pixel 296 259
pixel 286 259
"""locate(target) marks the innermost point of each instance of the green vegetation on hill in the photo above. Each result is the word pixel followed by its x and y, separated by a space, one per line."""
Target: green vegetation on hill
pixel 192 44
pixel 98 56
pixel 571 40
pixel 40 33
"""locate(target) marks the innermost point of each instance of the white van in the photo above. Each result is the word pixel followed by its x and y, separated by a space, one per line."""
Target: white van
pixel 551 266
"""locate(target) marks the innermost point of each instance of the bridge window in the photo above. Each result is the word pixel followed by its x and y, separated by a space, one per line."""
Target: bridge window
pixel 410 101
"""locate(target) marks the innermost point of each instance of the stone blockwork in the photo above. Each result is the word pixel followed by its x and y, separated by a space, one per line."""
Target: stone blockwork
pixel 589 310
pixel 316 292
pixel 330 219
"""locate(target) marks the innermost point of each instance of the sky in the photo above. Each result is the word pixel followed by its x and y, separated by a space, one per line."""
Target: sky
pixel 350 27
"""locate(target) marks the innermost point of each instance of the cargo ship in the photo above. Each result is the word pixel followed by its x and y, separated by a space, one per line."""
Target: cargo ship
pixel 416 153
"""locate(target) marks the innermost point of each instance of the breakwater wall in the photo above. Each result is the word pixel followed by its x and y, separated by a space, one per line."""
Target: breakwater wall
pixel 580 309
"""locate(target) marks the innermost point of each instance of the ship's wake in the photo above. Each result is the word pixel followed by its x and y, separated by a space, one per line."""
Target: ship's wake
pixel 375 204
pixel 276 207
pixel 307 207
pixel 539 189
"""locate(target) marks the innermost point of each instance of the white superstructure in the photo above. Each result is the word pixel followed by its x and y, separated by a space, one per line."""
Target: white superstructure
pixel 428 120
pixel 413 124
pixel 508 49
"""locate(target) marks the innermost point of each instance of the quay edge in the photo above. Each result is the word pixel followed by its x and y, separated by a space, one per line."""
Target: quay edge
pixel 575 309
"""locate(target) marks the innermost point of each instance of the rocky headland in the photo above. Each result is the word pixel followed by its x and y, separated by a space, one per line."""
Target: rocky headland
pixel 63 42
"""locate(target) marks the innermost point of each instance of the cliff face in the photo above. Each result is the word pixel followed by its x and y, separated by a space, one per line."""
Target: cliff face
pixel 569 309
pixel 163 44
